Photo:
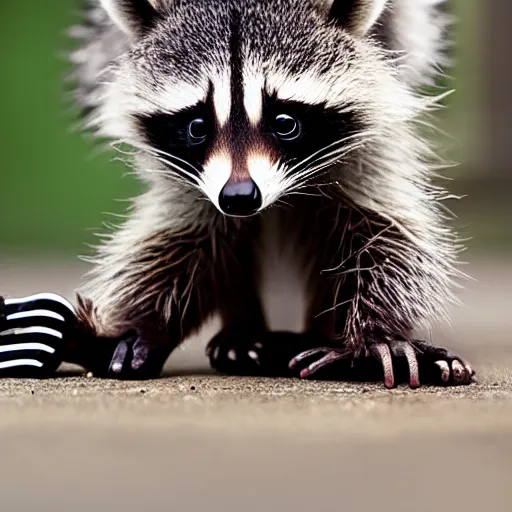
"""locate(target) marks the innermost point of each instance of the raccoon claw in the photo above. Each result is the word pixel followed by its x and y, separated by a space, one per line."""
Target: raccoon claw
pixel 135 359
pixel 327 356
pixel 397 361
pixel 384 352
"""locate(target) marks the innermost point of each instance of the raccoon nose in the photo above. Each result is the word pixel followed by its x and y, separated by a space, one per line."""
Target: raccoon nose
pixel 241 198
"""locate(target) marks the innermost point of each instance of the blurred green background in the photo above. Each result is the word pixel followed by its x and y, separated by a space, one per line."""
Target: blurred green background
pixel 57 185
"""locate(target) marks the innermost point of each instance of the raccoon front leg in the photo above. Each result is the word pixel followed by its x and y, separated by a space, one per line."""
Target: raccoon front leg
pixel 244 345
pixel 144 297
pixel 238 349
pixel 385 287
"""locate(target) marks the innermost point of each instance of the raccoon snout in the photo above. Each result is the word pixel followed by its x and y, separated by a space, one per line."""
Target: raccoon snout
pixel 240 198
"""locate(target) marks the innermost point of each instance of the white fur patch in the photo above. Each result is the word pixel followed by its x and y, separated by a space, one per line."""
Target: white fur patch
pixel 222 99
pixel 267 177
pixel 253 96
pixel 174 96
pixel 129 96
pixel 306 88
pixel 217 171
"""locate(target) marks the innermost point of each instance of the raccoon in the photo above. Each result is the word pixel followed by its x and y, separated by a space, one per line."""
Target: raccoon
pixel 271 134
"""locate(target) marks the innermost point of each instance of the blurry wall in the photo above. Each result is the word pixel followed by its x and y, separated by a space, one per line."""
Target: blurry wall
pixel 56 185
pixel 497 96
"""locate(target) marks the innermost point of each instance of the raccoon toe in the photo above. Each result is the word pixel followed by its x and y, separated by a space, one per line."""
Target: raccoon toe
pixel 136 359
pixel 236 351
pixel 416 363
pixel 441 366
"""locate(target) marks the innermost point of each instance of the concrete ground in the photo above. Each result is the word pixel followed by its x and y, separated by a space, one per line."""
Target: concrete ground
pixel 194 441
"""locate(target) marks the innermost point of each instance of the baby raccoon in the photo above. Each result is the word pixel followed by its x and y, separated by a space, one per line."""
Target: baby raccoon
pixel 271 134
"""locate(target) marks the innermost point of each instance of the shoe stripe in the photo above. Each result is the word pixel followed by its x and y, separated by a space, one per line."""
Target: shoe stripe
pixel 27 346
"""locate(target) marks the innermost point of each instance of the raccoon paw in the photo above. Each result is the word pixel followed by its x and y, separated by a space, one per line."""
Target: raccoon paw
pixel 237 351
pixel 242 351
pixel 395 362
pixel 136 359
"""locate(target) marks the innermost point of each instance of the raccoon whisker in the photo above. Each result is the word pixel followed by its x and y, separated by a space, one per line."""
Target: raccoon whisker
pixel 166 172
pixel 308 194
pixel 314 168
pixel 158 152
pixel 313 171
pixel 170 155
pixel 300 180
pixel 332 157
pixel 182 171
pixel 313 155
pixel 172 175
pixel 152 151
pixel 115 147
pixel 337 142
pixel 304 183
pixel 305 161
pixel 281 202
pixel 297 184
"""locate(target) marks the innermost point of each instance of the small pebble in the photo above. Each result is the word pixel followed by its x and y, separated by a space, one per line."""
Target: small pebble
pixel 89 375
pixel 192 388
pixel 142 391
pixel 32 392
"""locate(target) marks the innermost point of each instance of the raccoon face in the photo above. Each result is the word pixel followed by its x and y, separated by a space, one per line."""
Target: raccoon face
pixel 247 100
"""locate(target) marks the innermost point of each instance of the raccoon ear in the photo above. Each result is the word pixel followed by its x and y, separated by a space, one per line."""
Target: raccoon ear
pixel 134 17
pixel 357 16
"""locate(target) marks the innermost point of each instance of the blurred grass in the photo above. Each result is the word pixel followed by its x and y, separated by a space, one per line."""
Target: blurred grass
pixel 55 186
pixel 53 189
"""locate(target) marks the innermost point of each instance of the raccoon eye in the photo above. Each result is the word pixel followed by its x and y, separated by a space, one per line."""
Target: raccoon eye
pixel 286 127
pixel 197 131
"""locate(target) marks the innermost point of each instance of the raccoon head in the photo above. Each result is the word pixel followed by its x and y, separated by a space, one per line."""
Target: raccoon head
pixel 250 100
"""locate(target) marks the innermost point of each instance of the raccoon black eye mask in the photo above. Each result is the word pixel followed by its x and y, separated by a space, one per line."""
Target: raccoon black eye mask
pixel 294 131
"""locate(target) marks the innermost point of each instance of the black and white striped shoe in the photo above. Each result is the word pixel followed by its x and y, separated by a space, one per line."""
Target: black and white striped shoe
pixel 33 334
